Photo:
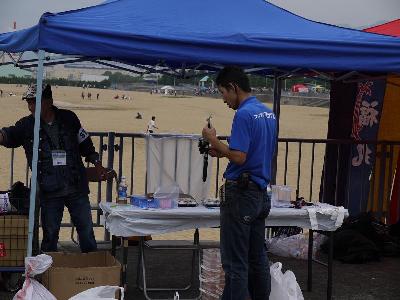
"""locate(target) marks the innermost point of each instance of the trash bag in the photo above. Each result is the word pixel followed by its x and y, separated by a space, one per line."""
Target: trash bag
pixel 295 246
pixel 350 246
pixel 19 197
pixel 362 239
pixel 284 285
pixel 100 293
pixel 32 289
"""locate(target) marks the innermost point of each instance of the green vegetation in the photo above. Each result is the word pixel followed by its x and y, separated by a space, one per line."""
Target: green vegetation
pixel 169 80
pixel 118 77
pixel 59 81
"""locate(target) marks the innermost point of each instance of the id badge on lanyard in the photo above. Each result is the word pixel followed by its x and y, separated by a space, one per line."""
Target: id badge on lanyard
pixel 59 157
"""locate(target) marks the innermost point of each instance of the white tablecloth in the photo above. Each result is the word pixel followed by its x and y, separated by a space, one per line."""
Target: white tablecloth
pixel 128 220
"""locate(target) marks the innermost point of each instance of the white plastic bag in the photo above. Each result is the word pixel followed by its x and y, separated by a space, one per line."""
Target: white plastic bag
pixel 99 293
pixel 284 285
pixel 33 290
pixel 295 246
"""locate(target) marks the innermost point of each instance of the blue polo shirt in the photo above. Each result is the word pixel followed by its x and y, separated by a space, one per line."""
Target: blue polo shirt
pixel 254 133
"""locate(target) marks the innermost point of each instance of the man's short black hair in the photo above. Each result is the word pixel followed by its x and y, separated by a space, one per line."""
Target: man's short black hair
pixel 233 75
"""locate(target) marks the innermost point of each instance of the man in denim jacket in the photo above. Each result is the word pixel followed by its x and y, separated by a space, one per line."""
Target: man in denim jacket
pixel 62 176
pixel 245 203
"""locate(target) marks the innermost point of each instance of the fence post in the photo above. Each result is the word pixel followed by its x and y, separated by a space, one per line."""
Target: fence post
pixel 12 167
pixel 277 111
pixel 110 165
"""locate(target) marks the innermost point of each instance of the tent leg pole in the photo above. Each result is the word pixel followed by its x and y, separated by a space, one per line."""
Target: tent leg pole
pixel 39 82
pixel 277 111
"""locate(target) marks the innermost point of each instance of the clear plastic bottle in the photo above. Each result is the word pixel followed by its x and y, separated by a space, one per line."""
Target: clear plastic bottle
pixel 122 191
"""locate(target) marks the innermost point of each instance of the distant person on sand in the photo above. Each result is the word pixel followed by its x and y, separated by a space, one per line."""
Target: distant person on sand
pixel 116 97
pixel 89 96
pixel 139 116
pixel 151 125
pixel 97 96
pixel 83 96
pixel 1 93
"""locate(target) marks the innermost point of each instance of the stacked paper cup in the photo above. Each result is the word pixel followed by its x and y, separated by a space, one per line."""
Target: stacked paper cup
pixel 212 279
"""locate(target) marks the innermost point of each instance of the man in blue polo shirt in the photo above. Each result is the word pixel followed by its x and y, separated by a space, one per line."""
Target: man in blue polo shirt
pixel 244 200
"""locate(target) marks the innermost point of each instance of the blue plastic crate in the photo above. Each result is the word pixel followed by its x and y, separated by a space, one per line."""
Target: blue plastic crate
pixel 144 202
pixel 135 199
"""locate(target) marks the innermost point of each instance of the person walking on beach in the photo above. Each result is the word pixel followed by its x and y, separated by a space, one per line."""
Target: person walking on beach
pixel 1 93
pixel 62 176
pixel 244 200
pixel 151 125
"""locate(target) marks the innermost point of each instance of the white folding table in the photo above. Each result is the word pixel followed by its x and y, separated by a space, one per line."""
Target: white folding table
pixel 127 220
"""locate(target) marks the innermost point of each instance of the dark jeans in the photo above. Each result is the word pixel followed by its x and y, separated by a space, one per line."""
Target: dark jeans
pixel 51 216
pixel 243 251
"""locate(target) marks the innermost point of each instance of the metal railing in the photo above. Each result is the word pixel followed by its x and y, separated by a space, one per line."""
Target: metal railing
pixel 316 169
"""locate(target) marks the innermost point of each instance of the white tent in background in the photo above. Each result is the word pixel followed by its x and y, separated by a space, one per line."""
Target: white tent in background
pixel 166 88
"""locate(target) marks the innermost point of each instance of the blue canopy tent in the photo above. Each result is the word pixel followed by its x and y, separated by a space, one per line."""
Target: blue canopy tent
pixel 192 34
pixel 248 33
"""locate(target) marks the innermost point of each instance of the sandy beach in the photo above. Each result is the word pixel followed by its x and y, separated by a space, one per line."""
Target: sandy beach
pixel 173 115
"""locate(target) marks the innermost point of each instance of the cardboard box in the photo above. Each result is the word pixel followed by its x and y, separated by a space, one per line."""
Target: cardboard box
pixel 72 273
pixel 13 240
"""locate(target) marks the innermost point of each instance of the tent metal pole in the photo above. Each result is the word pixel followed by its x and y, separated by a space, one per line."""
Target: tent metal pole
pixel 39 82
pixel 277 111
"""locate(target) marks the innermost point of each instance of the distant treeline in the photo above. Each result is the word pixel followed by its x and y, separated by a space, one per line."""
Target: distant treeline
pixel 53 82
pixel 119 78
pixel 255 81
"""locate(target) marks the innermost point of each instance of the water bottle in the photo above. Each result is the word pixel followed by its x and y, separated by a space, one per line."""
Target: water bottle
pixel 122 191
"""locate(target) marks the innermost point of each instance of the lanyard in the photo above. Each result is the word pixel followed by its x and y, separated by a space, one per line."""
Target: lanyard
pixel 61 144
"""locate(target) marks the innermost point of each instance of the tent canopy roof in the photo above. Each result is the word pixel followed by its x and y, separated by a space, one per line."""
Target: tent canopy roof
pixel 185 33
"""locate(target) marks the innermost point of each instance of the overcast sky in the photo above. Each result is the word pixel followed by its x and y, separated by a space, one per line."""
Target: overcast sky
pixel 348 13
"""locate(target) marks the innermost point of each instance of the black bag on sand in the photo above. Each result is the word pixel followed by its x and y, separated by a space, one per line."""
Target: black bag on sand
pixel 361 239
pixel 19 197
pixel 350 246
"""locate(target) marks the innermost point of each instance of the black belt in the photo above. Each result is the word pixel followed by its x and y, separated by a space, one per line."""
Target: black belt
pixel 251 182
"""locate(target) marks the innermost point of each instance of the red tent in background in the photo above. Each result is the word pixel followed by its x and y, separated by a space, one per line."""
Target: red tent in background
pixel 300 88
pixel 391 28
